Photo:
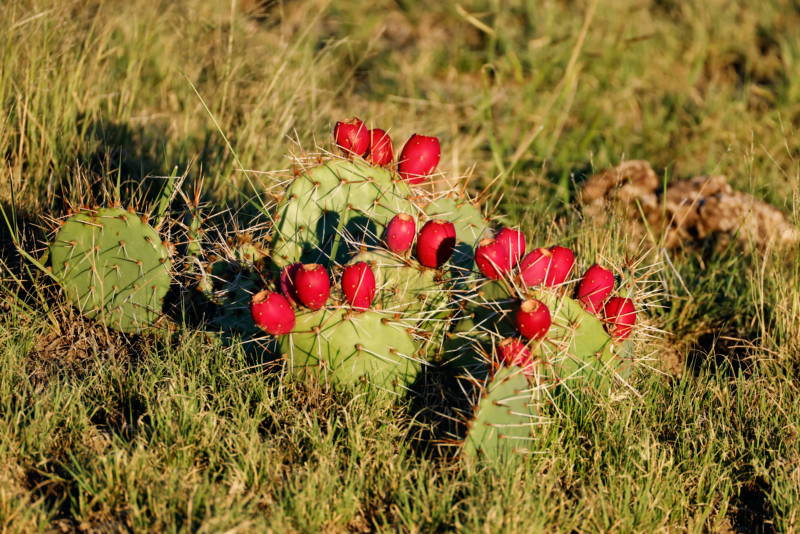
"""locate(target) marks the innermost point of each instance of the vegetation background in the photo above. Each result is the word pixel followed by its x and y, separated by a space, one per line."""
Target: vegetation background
pixel 97 436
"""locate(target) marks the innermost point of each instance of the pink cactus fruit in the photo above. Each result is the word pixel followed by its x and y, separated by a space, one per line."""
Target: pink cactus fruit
pixel 514 242
pixel 288 282
pixel 595 287
pixel 272 313
pixel 533 319
pixel 380 147
pixel 512 351
pixel 358 285
pixel 561 265
pixel 533 267
pixel 492 258
pixel 313 285
pixel 620 315
pixel 400 233
pixel 351 136
pixel 435 243
pixel 419 158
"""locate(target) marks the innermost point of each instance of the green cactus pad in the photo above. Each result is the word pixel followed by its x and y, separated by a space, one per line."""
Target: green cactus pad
pixel 579 350
pixel 338 348
pixel 488 314
pixel 405 285
pixel 503 416
pixel 113 267
pixel 341 196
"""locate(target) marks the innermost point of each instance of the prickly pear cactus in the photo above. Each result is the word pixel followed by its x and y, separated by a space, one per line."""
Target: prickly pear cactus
pixel 113 267
pixel 328 211
pixel 229 280
pixel 341 348
pixel 503 414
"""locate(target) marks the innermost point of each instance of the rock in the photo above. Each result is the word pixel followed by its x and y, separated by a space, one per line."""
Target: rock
pixel 697 209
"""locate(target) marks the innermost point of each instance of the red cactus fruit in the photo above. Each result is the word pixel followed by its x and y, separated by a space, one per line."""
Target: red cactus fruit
pixel 313 285
pixel 595 287
pixel 620 315
pixel 514 241
pixel 380 147
pixel 533 319
pixel 549 267
pixel 272 313
pixel 400 233
pixel 435 243
pixel 492 258
pixel 352 136
pixel 288 282
pixel 560 266
pixel 533 267
pixel 358 285
pixel 419 158
pixel 514 352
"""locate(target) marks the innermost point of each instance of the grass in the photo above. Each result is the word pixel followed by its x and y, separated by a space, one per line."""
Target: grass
pixel 104 435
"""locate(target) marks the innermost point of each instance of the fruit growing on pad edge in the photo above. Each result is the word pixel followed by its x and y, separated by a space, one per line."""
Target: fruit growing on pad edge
pixel 352 136
pixel 313 285
pixel 419 158
pixel 436 242
pixel 358 285
pixel 272 313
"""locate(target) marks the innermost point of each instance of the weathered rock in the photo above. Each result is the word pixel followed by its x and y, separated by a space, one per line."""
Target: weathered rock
pixel 691 210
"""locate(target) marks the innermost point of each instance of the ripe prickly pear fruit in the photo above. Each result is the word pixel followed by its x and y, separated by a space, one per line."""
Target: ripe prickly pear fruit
pixel 419 158
pixel 533 319
pixel 514 352
pixel 288 282
pixel 272 313
pixel 313 285
pixel 380 147
pixel 358 285
pixel 533 267
pixel 351 136
pixel 550 267
pixel 560 265
pixel 436 242
pixel 514 241
pixel 595 287
pixel 620 315
pixel 492 258
pixel 400 233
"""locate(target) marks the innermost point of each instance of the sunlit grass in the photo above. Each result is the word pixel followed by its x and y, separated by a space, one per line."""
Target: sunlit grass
pixel 189 437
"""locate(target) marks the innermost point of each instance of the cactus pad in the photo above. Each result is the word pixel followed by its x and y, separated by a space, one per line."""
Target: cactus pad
pixel 340 348
pixel 503 415
pixel 339 198
pixel 113 268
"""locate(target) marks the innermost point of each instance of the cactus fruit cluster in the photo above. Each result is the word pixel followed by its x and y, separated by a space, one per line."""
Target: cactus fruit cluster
pixel 367 277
